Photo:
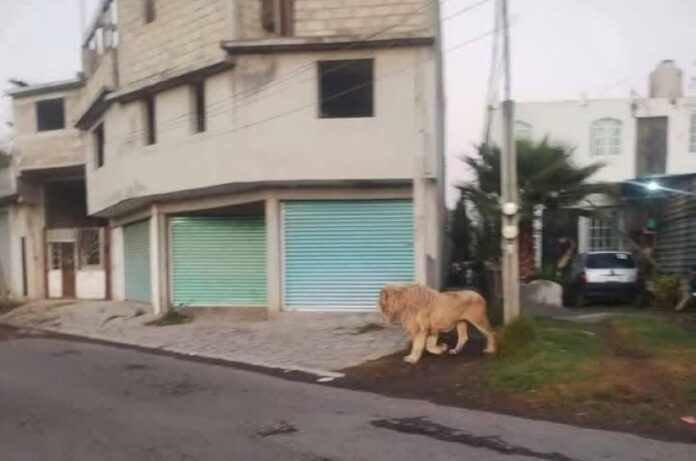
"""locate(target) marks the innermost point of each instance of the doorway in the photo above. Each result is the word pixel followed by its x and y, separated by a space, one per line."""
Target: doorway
pixel 61 277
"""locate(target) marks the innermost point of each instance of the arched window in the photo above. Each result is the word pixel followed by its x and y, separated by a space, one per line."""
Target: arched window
pixel 605 137
pixel 523 130
pixel 692 134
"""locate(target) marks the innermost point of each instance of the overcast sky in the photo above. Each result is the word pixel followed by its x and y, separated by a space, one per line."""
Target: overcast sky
pixel 561 49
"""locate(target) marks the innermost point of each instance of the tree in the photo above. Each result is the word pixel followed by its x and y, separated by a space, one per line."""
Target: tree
pixel 547 176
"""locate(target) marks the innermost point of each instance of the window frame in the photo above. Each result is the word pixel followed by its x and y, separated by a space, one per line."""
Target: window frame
pixel 45 126
pixel 99 146
pixel 692 133
pixel 199 108
pixel 150 119
pixel 278 17
pixel 331 68
pixel 521 127
pixel 601 144
pixel 149 11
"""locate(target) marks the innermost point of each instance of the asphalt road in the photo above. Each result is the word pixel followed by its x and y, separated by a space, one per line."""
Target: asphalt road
pixel 68 400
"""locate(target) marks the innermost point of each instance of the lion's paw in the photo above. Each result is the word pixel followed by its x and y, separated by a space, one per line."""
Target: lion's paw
pixel 410 359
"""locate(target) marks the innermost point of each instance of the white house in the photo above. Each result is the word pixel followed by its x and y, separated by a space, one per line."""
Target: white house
pixel 635 137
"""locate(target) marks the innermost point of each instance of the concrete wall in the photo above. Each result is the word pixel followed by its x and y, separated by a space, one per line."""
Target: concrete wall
pixel 271 132
pixel 184 34
pixel 47 148
pixel 569 122
pixel 344 18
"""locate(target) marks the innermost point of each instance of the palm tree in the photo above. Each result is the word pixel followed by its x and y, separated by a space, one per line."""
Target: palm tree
pixel 547 176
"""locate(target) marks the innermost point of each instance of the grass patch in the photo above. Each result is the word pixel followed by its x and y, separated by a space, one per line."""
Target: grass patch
pixel 652 334
pixel 369 328
pixel 171 317
pixel 539 353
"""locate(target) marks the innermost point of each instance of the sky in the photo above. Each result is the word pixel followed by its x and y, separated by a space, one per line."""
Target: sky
pixel 561 49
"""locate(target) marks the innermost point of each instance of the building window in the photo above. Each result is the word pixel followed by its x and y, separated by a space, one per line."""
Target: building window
pixel 150 121
pixel 50 114
pixel 199 109
pixel 523 130
pixel 346 88
pixel 604 232
pixel 605 137
pixel 278 16
pixel 89 247
pixel 692 134
pixel 56 257
pixel 98 135
pixel 150 11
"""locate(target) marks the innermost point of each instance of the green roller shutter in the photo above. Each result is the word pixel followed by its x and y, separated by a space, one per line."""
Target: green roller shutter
pixel 218 261
pixel 5 284
pixel 136 243
pixel 339 254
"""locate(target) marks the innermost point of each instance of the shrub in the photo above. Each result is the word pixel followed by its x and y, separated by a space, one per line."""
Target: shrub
pixel 667 290
pixel 516 336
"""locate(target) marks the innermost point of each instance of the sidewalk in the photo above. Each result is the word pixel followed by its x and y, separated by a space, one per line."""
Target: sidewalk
pixel 318 343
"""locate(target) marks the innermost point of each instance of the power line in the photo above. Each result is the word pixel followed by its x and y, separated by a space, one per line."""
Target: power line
pixel 343 93
pixel 250 95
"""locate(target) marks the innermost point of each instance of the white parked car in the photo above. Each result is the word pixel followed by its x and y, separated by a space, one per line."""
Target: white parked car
pixel 605 275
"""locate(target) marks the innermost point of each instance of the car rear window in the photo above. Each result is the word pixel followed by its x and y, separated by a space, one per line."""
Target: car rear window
pixel 610 261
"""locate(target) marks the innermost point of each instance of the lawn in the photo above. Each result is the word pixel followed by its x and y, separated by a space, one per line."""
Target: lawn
pixel 631 373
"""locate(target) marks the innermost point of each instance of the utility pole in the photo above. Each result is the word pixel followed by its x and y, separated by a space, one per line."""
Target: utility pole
pixel 509 192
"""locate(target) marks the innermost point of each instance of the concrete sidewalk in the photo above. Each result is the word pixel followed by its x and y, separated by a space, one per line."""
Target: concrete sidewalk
pixel 319 343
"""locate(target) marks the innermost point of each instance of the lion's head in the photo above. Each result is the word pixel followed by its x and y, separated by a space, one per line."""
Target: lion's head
pixel 388 303
pixel 394 300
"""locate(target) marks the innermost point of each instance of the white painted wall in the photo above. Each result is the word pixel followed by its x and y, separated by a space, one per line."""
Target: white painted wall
pixel 118 281
pixel 569 122
pixel 55 284
pixel 90 284
pixel 245 143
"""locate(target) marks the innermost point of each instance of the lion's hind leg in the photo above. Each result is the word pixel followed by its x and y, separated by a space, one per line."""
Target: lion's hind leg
pixel 485 328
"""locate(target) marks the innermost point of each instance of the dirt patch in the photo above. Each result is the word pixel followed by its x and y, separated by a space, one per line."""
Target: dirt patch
pixel 632 381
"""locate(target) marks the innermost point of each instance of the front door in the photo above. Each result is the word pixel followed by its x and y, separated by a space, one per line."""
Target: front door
pixel 68 268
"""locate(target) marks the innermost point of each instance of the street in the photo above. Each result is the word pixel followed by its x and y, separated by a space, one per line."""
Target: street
pixel 70 400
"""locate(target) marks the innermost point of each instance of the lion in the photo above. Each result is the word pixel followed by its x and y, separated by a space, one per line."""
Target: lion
pixel 425 313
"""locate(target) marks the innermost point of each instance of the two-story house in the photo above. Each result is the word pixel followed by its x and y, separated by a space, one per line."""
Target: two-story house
pixel 284 154
pixel 635 138
pixel 52 248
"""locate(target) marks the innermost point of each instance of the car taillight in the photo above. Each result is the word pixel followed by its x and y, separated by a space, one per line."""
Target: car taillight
pixel 583 277
pixel 640 275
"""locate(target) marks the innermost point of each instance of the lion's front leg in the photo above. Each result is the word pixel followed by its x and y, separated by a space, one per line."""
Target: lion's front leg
pixel 416 348
pixel 462 337
pixel 432 346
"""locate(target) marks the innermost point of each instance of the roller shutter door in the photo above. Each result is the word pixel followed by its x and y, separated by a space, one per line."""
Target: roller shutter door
pixel 218 261
pixel 339 254
pixel 136 244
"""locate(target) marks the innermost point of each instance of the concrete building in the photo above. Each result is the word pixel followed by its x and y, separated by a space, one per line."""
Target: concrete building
pixel 273 153
pixel 53 249
pixel 636 138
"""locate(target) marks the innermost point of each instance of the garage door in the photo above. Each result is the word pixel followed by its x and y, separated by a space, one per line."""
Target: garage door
pixel 218 261
pixel 339 254
pixel 4 252
pixel 136 244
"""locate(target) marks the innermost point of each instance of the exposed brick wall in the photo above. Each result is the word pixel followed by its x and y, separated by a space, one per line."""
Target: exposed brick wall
pixel 185 34
pixel 314 18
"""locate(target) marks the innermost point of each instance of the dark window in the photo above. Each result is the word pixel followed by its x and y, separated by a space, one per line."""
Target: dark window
pixel 150 11
pixel 278 16
pixel 99 145
pixel 199 114
pixel 346 88
pixel 610 261
pixel 50 115
pixel 150 120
